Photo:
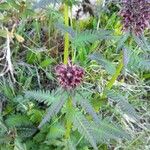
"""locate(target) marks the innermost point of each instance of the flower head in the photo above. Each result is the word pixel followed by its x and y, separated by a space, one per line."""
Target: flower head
pixel 135 15
pixel 69 76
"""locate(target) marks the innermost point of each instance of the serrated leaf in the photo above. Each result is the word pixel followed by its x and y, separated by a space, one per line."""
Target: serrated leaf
pixel 123 105
pixel 18 145
pixel 142 42
pixel 65 29
pixel 45 3
pixel 26 131
pixel 17 120
pixel 89 36
pixel 3 127
pixel 53 110
pixel 4 6
pixel 56 131
pixel 43 96
pixel 70 145
pixel 145 64
pixel 110 68
pixel 85 104
pixel 122 41
pixel 137 61
pixel 106 131
pixel 84 127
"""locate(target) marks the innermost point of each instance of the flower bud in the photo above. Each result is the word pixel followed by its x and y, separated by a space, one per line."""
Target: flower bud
pixel 69 76
pixel 135 15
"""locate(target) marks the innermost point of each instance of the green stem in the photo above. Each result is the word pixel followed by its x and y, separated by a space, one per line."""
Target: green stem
pixel 109 85
pixel 68 123
pixel 66 44
pixel 71 24
pixel 114 78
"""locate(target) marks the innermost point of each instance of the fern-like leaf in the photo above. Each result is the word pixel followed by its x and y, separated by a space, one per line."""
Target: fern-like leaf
pixel 90 36
pixel 145 64
pixel 56 130
pixel 46 97
pixel 137 60
pixel 105 131
pixel 17 120
pixel 64 29
pixel 125 108
pixel 110 68
pixel 70 145
pixel 53 110
pixel 18 145
pixel 45 3
pixel 85 104
pixel 25 131
pixel 122 40
pixel 142 42
pixel 3 127
pixel 4 140
pixel 84 127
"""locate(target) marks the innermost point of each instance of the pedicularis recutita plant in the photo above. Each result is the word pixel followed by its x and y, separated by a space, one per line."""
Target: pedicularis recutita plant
pixel 74 114
pixel 70 77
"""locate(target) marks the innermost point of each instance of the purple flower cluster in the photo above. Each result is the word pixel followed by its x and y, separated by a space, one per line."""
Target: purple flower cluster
pixel 69 76
pixel 135 15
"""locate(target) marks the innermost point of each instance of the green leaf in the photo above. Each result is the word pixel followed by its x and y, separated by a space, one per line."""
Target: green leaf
pixel 55 131
pixel 85 104
pixel 46 97
pixel 53 109
pixel 17 120
pixel 3 128
pixel 19 145
pixel 13 4
pixel 106 130
pixel 123 106
pixel 145 64
pixel 45 3
pixel 45 63
pixel 4 6
pixel 26 131
pixel 110 68
pixel 142 42
pixel 122 41
pixel 90 36
pixel 70 145
pixel 35 115
pixel 64 29
pixel 33 57
pixel 3 33
pixel 137 61
pixel 84 127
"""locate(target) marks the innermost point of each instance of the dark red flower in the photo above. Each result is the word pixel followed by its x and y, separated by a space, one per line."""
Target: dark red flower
pixel 69 76
pixel 135 15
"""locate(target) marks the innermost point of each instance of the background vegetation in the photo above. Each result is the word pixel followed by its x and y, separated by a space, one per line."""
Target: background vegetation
pixel 111 108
